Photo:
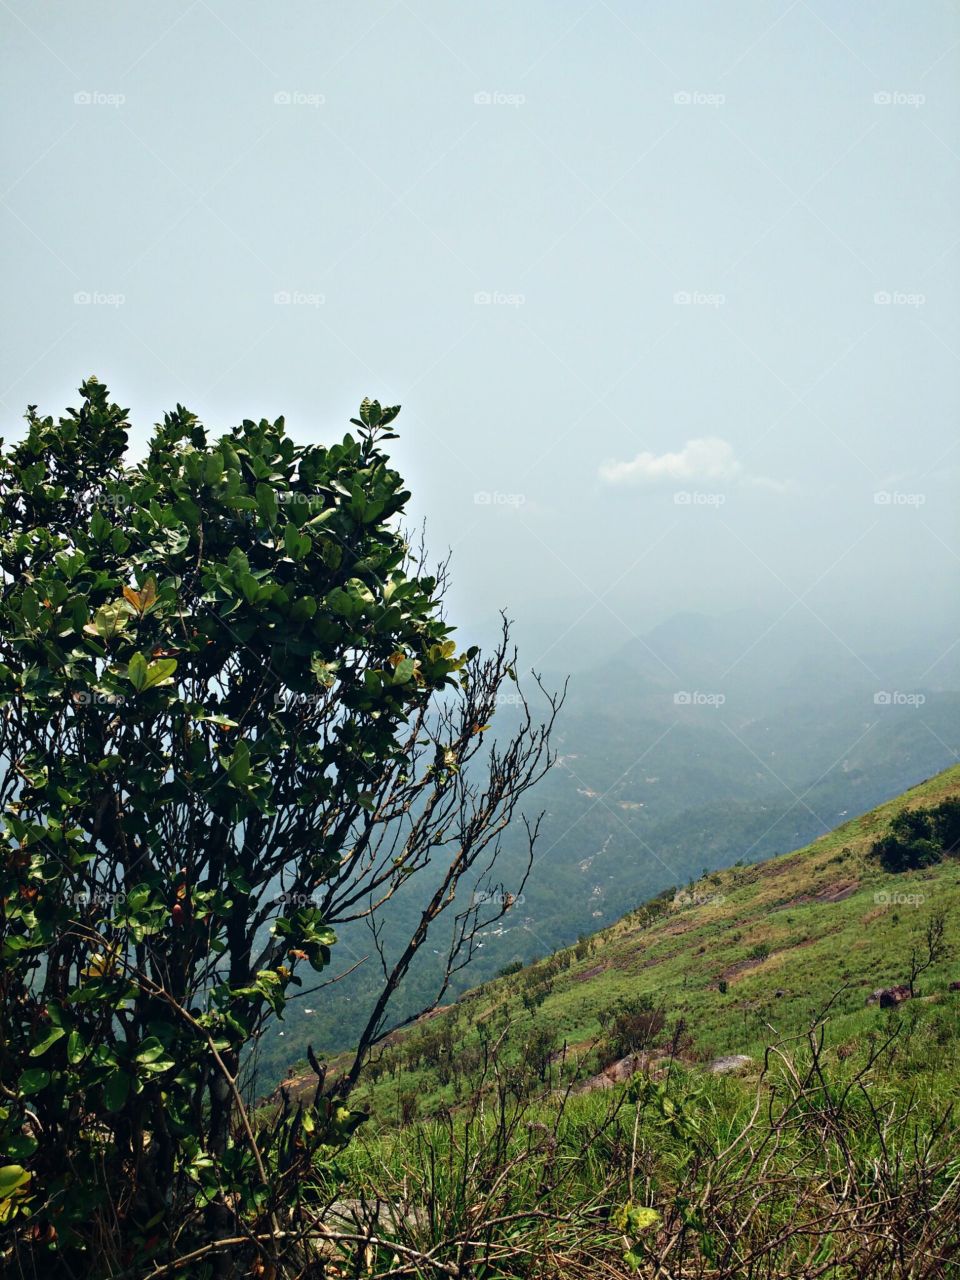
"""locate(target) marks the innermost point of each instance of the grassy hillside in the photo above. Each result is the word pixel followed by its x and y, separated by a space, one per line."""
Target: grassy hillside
pixel 505 1140
pixel 733 960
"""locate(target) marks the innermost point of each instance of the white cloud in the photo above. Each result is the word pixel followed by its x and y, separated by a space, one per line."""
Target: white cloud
pixel 707 458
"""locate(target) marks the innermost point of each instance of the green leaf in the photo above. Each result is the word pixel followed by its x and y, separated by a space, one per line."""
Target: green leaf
pixel 238 765
pixel 115 1090
pixel 267 502
pixel 55 1034
pixel 109 620
pixel 303 609
pixel 295 543
pixel 160 672
pixel 150 1050
pixel 21 1146
pixel 30 606
pixel 325 672
pixel 153 1058
pixel 404 670
pixel 76 1048
pixel 213 470
pixel 323 517
pixel 12 1178
pixel 137 671
pixel 33 1080
pixel 370 412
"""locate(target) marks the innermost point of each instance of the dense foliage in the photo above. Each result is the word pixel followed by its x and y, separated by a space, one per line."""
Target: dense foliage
pixel 232 716
pixel 920 837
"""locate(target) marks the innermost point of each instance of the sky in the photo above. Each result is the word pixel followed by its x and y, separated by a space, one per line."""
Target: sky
pixel 668 291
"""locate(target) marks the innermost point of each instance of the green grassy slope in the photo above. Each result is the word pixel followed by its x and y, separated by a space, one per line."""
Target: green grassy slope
pixel 785 936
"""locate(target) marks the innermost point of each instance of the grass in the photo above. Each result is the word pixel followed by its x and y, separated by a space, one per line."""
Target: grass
pixel 841 1165
pixel 783 936
pixel 491 1152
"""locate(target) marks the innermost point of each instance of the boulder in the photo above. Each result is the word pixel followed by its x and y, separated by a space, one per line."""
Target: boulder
pixel 892 996
pixel 732 1062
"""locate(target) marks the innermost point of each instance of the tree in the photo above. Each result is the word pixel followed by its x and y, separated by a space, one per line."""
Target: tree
pixel 946 826
pixel 632 1025
pixel 233 717
pixel 931 949
pixel 910 842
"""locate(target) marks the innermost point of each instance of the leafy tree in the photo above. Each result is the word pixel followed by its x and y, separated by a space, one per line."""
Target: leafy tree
pixel 946 826
pixel 233 717
pixel 910 842
pixel 919 837
pixel 632 1025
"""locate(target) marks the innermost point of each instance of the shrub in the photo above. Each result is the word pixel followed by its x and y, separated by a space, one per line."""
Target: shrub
pixel 918 838
pixel 221 673
pixel 632 1025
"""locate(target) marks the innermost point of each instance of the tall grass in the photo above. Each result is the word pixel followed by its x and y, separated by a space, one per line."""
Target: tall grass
pixel 840 1162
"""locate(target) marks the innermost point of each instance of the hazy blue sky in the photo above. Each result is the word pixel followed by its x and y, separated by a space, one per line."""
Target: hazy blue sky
pixel 668 291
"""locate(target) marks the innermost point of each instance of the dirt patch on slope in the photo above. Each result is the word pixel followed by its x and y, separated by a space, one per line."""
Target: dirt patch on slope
pixel 589 973
pixel 835 892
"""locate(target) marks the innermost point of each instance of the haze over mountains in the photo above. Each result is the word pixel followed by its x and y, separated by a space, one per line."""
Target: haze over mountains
pixel 708 740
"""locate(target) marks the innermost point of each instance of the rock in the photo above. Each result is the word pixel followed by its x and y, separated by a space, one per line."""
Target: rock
pixel 372 1215
pixel 874 997
pixel 733 1062
pixel 624 1069
pixel 359 1218
pixel 892 996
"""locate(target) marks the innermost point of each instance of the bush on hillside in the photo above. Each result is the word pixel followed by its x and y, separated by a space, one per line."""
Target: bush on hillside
pixel 632 1025
pixel 918 838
